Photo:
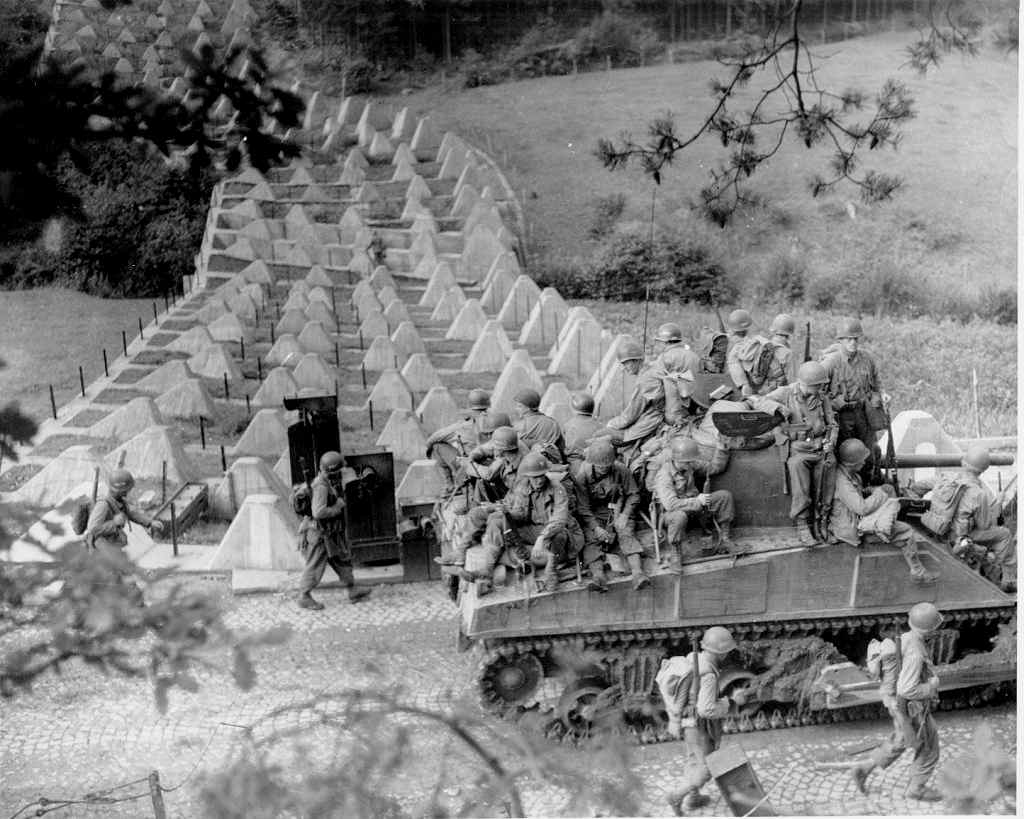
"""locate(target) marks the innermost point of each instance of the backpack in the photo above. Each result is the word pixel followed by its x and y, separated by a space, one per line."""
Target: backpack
pixel 302 500
pixel 945 499
pixel 674 682
pixel 80 516
pixel 755 356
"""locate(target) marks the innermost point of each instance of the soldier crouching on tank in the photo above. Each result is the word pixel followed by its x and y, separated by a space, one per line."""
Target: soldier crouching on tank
pixel 537 509
pixel 677 487
pixel 606 500
pixel 908 687
pixel 581 429
pixel 482 526
pixel 850 507
pixel 495 464
pixel 323 537
pixel 695 712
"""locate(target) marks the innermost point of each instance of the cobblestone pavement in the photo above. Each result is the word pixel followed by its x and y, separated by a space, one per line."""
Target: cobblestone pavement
pixel 82 732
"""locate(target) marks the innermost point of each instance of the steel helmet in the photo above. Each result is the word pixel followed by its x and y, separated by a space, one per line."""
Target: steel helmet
pixel 528 398
pixel 739 320
pixel 718 639
pixel 492 420
pixel 583 403
pixel 669 332
pixel 685 449
pixel 783 325
pixel 331 461
pixel 479 399
pixel 478 517
pixel 600 453
pixel 853 452
pixel 925 617
pixel 811 373
pixel 505 439
pixel 849 328
pixel 534 465
pixel 631 351
pixel 121 479
pixel 977 459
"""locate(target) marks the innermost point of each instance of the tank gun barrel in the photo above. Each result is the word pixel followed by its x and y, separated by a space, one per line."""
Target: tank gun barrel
pixel 915 460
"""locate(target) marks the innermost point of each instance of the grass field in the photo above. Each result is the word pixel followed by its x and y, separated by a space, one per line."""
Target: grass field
pixel 954 224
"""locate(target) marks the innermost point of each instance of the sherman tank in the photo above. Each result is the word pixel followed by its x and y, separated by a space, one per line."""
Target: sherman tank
pixel 573 660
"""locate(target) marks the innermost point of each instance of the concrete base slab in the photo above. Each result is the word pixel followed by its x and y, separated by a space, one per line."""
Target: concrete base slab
pixel 251 581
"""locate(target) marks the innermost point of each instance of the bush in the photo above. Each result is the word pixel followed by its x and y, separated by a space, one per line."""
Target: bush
pixel 624 40
pixel 544 49
pixel 783 278
pixel 998 304
pixel 607 211
pixel 477 70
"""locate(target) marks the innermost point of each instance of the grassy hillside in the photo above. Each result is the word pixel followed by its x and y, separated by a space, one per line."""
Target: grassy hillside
pixel 954 224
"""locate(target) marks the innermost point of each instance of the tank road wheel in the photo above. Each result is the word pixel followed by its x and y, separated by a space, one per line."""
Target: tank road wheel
pixel 586 705
pixel 732 679
pixel 510 681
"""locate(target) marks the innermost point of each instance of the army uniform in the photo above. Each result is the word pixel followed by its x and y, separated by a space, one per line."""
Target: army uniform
pixel 710 342
pixel 542 520
pixel 535 428
pixel 497 470
pixel 104 531
pixel 778 370
pixel 853 384
pixel 975 518
pixel 580 431
pixel 446 445
pixel 324 542
pixel 661 396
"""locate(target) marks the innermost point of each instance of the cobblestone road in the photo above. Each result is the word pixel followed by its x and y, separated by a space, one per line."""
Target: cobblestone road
pixel 82 732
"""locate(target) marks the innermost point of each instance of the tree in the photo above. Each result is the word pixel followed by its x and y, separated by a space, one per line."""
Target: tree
pixel 795 105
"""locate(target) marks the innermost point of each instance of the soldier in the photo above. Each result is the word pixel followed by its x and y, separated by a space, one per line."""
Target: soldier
pixel 538 510
pixel 712 348
pixel 909 686
pixel 534 427
pixel 111 514
pixel 850 505
pixel 451 442
pixel 607 498
pixel 808 447
pixel 323 537
pixel 854 386
pixel 496 463
pixel 781 330
pixel 669 335
pixel 697 719
pixel 581 428
pixel 677 487
pixel 631 357
pixel 483 526
pixel 976 516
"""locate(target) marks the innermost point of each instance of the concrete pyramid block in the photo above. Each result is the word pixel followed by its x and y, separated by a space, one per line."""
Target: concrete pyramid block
pixel 373 324
pixel 418 189
pixel 144 455
pixel 351 223
pixel 215 361
pixel 257 272
pixel 494 327
pixel 365 134
pixel 284 346
pixel 319 294
pixel 300 287
pixel 189 399
pixel 404 126
pixel 128 420
pixel 468 323
pixel 396 313
pixel 381 278
pixel 580 351
pixel 450 304
pixel 365 300
pixel 312 372
pixel 556 402
pixel 519 302
pixel 440 280
pixel 424 223
pixel 612 396
pixel 387 294
pixel 164 377
pixel 403 436
pixel 242 305
pixel 369 194
pixel 314 194
pixel 301 176
pixel 519 374
pixel 321 312
pixel 487 355
pixel 546 320
pixel 403 153
pixel 487 215
pixel 505 262
pixel 404 171
pixel 296 301
pixel 390 392
pixel 212 310
pixel 298 215
pixel 497 290
pixel 277 385
pixel 191 341
pixel 360 263
pixel 479 252
pixel 228 328
pixel 265 437
pixel 246 476
pixel 424 268
pixel 381 147
pixel 413 209
pixel 437 409
pixel 407 339
pixel 609 361
pixel 314 339
pixel 317 277
pixel 349 111
pixel 453 164
pixel 74 466
pixel 283 469
pixel 917 432
pixel 422 247
pixel 465 200
pixel 352 176
pixel 419 373
pixel 292 321
pixel 383 355
pixel 262 536
pixel 255 292
pixel 426 139
pixel 258 229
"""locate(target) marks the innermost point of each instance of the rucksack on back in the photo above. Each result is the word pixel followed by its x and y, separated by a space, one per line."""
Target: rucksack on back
pixel 755 355
pixel 945 498
pixel 673 681
pixel 302 501
pixel 80 516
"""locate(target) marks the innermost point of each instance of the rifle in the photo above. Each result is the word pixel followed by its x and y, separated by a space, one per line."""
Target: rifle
pixel 695 679
pixel 647 307
pixel 721 324
pixel 706 512
pixel 890 454
pixel 807 342
pixel 906 728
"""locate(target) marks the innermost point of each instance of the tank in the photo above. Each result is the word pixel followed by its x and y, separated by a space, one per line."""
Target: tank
pixel 573 660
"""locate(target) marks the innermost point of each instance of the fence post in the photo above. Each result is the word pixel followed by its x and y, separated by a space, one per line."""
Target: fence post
pixel 157 795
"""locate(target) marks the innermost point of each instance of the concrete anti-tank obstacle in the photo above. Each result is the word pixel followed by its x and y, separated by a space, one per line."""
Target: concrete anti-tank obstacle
pixel 373 324
pixel 215 362
pixel 426 138
pixel 297 215
pixel 614 393
pixel 258 273
pixel 284 346
pixel 246 476
pixel 300 286
pixel 349 111
pixel 191 341
pixel 262 536
pixel 387 294
pixel 318 311
pixel 609 361
pixel 487 355
pixel 369 194
pixel 317 277
pixel 242 305
pixel 468 323
pixel 497 290
pixel 265 437
pixel 382 278
pixel 129 419
pixel 546 319
pixel 283 469
pixel 419 373
pixel 293 319
pixel 390 392
pixel 366 303
pixel 312 372
pixel 917 432
pixel 48 487
pixel 450 304
pixel 504 262
pixel 403 126
pixel 295 301
pixel 485 214
pixel 228 328
pixel 256 229
pixel 414 208
pixel 482 247
pixel 454 163
pixel 254 292
pixel 465 200
pixel 422 481
pixel 581 350
pixel 437 409
pixel 360 263
pixel 515 377
pixel 423 247
pixel 407 340
pixel 350 224
pixel 396 312
pixel 352 176
pixel 212 310
pixel 301 176
pixel 189 399
pixel 319 294
pixel 383 355
pixel 145 454
pixel 314 339
pixel 556 402
pixel 381 148
pixel 404 171
pixel 440 280
pixel 519 303
pixel 493 326
pixel 402 436
pixel 404 154
pixel 277 385
pixel 164 377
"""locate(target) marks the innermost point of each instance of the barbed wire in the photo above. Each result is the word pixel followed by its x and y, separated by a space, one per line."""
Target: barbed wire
pixel 49 805
pixel 195 766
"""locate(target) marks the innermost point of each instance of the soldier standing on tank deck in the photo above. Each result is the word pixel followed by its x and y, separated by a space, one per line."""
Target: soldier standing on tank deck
pixel 909 687
pixel 697 720
pixel 782 330
pixel 323 536
pixel 976 517
pixel 581 428
pixel 111 514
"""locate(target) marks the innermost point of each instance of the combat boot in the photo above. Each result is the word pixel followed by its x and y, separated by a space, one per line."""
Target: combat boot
pixel 924 794
pixel 726 545
pixel 675 559
pixel 918 573
pixel 859 774
pixel 549 580
pixel 636 566
pixel 803 532
pixel 357 593
pixel 598 580
pixel 695 800
pixel 306 601
pixel 675 801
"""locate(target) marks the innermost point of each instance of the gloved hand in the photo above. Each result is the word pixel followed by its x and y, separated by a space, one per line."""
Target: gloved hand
pixel 156 527
pixel 604 535
pixel 887 490
pixel 704 498
pixel 120 519
pixel 675 730
pixel 839 403
pixel 830 458
pixel 740 696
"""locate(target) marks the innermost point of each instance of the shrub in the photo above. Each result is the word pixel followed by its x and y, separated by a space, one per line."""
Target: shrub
pixel 783 278
pixel 607 211
pixel 998 304
pixel 624 40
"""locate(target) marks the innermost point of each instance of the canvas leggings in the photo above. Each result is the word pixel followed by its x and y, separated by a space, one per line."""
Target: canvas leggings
pixel 700 740
pixel 925 746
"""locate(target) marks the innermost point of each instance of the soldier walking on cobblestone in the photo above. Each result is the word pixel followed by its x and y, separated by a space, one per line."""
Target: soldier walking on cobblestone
pixel 324 542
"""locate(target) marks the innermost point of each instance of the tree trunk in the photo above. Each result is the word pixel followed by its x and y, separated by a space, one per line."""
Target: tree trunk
pixel 446 34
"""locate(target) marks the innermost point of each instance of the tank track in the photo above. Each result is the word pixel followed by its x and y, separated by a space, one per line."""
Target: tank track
pixel 610 644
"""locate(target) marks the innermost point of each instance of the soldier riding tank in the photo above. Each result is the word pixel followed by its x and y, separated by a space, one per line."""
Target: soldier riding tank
pixel 571 659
